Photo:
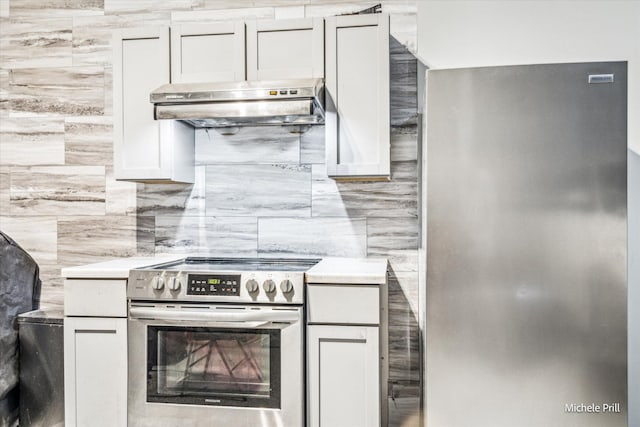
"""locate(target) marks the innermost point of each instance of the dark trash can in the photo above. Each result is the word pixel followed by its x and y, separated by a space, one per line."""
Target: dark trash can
pixel 41 369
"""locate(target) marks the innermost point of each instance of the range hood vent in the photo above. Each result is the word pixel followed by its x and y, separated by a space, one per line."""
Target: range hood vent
pixel 246 103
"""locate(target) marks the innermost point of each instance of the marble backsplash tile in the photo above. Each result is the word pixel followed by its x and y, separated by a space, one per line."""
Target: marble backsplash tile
pixel 230 4
pixel 146 6
pixel 173 199
pixel 404 143
pixel 404 342
pixel 32 141
pixel 407 282
pixel 404 337
pixel 210 236
pixel 405 411
pixel 42 42
pixel 88 140
pixel 4 93
pixel 52 289
pixel 395 198
pixel 87 239
pixel 120 196
pixel 203 16
pixel 54 8
pixel 258 190
pixel 92 35
pixel 404 330
pixel 312 146
pixel 248 145
pixel 41 245
pixel 5 177
pixel 395 233
pixel 72 91
pixel 403 95
pixel 312 237
pixel 57 190
pixel 108 92
pixel 399 259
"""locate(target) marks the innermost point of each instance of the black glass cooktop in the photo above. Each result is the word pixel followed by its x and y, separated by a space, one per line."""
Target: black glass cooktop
pixel 238 264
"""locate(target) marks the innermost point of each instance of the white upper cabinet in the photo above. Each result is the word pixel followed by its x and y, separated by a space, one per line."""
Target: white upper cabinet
pixel 208 52
pixel 285 49
pixel 357 98
pixel 146 149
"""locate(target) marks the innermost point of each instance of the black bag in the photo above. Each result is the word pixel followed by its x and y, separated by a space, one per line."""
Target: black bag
pixel 19 293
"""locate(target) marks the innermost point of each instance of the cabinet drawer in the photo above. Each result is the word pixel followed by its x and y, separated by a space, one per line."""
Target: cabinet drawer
pixel 103 298
pixel 343 304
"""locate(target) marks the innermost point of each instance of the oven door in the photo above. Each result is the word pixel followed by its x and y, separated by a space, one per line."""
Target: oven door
pixel 199 363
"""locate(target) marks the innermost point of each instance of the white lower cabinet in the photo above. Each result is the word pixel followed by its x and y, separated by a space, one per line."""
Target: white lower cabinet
pixel 95 372
pixel 347 367
pixel 95 353
pixel 344 380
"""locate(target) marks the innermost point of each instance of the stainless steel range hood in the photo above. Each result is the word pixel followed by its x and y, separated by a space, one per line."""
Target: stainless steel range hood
pixel 246 103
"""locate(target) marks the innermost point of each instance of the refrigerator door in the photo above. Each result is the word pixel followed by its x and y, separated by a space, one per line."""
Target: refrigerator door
pixel 527 246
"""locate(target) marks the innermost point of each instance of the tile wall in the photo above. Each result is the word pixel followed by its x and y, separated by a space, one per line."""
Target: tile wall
pixel 258 192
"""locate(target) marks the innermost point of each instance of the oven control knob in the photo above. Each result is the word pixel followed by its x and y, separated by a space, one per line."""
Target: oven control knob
pixel 269 286
pixel 158 283
pixel 286 286
pixel 252 286
pixel 174 284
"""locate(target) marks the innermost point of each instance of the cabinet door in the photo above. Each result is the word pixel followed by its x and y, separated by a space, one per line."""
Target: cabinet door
pixel 95 371
pixel 344 376
pixel 207 53
pixel 285 49
pixel 146 149
pixel 357 98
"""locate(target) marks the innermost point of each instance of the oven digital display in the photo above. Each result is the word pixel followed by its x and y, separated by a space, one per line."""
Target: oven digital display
pixel 219 284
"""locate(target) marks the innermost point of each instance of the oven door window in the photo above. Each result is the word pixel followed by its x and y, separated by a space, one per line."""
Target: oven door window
pixel 213 366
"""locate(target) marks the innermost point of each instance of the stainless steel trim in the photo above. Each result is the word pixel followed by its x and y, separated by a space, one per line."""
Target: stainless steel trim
pixel 182 314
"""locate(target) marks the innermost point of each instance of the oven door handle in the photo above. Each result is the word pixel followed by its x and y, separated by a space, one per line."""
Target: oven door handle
pixel 213 316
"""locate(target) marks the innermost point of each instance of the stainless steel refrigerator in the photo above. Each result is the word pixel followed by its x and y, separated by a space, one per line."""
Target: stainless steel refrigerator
pixel 526 222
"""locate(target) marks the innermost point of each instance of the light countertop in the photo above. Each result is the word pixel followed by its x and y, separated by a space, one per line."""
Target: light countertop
pixel 329 270
pixel 355 271
pixel 114 269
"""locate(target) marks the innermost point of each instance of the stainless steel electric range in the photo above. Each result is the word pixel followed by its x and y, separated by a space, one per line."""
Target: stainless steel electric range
pixel 217 341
